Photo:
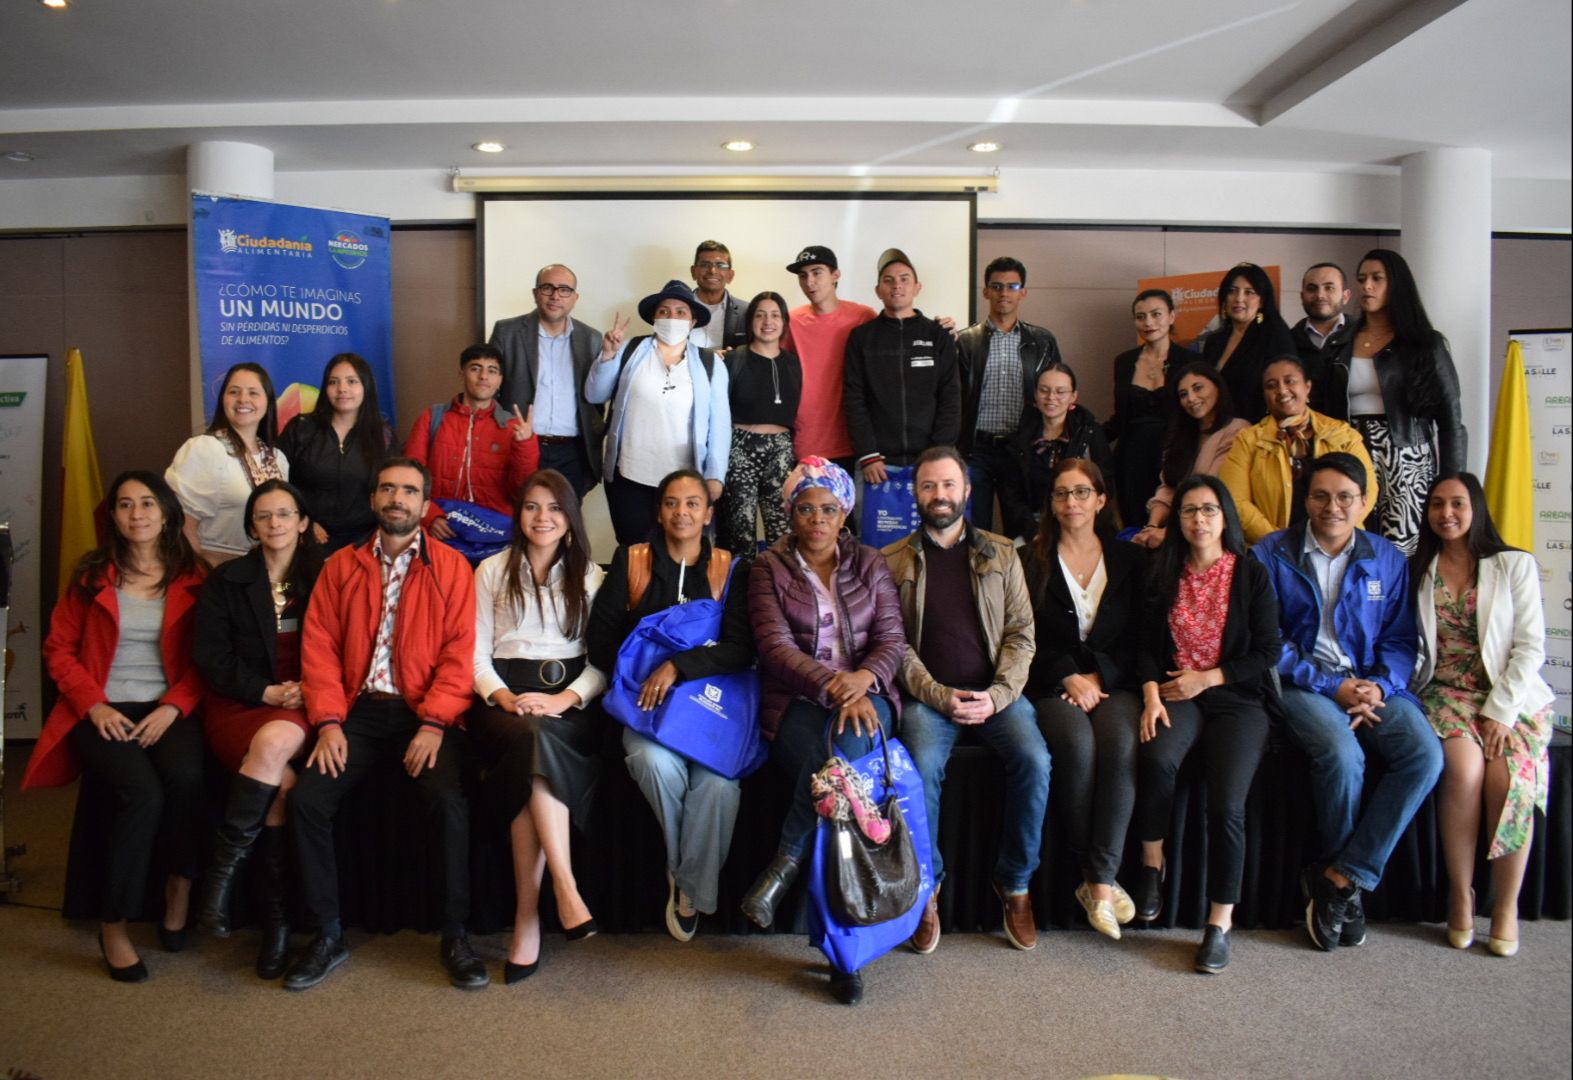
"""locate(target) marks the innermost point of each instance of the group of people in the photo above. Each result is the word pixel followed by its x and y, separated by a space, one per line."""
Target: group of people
pixel 286 601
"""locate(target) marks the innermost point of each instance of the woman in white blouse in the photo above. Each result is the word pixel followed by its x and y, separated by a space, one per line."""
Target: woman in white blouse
pixel 532 604
pixel 1482 643
pixel 213 473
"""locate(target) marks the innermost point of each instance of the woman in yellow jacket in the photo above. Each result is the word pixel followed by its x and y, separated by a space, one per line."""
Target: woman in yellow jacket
pixel 1262 467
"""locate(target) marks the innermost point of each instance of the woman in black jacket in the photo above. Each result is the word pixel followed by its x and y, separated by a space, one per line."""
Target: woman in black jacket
pixel 248 649
pixel 695 806
pixel 1253 332
pixel 1055 429
pixel 335 449
pixel 1394 381
pixel 1207 668
pixel 1087 593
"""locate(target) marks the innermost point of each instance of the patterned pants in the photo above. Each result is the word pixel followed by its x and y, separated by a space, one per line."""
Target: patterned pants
pixel 754 476
pixel 1403 475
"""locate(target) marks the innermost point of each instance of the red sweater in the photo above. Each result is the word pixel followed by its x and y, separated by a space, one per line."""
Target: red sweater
pixel 433 633
pixel 473 457
pixel 83 634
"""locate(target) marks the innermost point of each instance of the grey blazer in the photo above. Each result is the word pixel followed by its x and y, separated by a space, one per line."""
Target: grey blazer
pixel 516 339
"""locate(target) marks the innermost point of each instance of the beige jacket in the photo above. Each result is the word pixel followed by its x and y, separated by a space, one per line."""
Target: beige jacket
pixel 1004 608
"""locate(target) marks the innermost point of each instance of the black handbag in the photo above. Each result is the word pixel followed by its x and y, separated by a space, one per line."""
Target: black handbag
pixel 868 882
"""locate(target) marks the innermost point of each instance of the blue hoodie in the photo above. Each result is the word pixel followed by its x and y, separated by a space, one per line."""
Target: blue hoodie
pixel 1372 615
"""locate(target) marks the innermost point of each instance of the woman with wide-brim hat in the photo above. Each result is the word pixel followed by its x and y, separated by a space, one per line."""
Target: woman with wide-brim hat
pixel 670 409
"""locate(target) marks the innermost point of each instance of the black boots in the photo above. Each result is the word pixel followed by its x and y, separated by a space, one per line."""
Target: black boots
pixel 248 804
pixel 771 885
pixel 273 953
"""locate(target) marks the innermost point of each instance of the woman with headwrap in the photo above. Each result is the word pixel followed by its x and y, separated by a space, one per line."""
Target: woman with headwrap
pixel 827 623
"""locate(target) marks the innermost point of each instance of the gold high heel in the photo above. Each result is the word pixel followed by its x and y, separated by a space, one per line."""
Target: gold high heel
pixel 1463 939
pixel 1502 946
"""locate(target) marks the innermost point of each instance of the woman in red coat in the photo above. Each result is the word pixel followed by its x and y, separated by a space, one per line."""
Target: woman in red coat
pixel 119 651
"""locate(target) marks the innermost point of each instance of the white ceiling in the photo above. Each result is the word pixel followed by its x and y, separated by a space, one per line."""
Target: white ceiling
pixel 120 87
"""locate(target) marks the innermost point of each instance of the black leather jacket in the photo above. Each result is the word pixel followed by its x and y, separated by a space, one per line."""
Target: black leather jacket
pixel 1330 395
pixel 1038 351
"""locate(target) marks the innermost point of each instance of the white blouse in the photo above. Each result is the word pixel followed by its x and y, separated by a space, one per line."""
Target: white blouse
pixel 504 631
pixel 213 486
pixel 1086 598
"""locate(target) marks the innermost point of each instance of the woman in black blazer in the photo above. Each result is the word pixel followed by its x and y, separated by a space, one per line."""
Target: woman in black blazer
pixel 248 649
pixel 1087 590
pixel 1207 670
pixel 1253 334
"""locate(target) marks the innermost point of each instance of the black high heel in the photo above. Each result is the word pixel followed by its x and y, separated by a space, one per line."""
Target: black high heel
pixel 580 932
pixel 131 973
pixel 512 973
pixel 172 940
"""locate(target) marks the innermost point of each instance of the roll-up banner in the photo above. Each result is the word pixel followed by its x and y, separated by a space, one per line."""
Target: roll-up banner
pixel 288 287
pixel 22 381
pixel 1548 373
pixel 1196 298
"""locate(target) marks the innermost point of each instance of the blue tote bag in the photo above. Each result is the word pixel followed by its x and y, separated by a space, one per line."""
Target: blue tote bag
pixel 478 531
pixel 848 947
pixel 714 720
pixel 890 509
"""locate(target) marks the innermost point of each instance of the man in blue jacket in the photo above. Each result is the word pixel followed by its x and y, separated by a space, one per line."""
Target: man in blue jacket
pixel 1348 651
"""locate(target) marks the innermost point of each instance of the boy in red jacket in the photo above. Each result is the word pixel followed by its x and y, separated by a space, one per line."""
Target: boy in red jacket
pixel 472 449
pixel 386 667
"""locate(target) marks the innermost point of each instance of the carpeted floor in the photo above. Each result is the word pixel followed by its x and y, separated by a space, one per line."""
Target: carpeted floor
pixel 645 1006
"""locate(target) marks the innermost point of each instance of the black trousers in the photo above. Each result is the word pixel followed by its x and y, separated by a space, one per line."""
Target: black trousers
pixel 158 801
pixel 1093 761
pixel 570 460
pixel 632 507
pixel 378 733
pixel 1232 726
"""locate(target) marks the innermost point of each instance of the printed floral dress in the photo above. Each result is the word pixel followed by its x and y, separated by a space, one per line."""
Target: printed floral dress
pixel 1453 699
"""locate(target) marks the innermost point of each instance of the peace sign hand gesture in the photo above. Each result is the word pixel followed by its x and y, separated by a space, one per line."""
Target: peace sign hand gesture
pixel 612 340
pixel 522 426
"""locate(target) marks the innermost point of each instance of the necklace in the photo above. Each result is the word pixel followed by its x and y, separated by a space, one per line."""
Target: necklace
pixel 281 598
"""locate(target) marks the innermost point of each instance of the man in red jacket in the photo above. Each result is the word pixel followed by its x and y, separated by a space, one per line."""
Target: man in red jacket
pixel 386 666
pixel 474 450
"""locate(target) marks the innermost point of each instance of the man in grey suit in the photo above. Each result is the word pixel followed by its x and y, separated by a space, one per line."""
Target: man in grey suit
pixel 712 272
pixel 546 358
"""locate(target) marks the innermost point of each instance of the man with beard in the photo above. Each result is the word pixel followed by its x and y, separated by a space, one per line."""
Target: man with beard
pixel 965 670
pixel 386 656
pixel 1322 333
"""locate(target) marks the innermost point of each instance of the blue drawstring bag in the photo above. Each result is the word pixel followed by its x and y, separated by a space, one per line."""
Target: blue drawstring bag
pixel 713 720
pixel 890 769
pixel 890 509
pixel 478 531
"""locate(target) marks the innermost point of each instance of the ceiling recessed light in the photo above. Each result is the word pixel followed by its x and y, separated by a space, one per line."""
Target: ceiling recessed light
pixel 57 5
pixel 737 146
pixel 19 155
pixel 489 147
pixel 986 147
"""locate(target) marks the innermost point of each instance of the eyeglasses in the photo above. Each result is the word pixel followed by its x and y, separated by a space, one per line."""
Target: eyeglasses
pixel 262 517
pixel 1080 494
pixel 1343 499
pixel 1004 286
pixel 1206 510
pixel 710 265
pixel 560 291
pixel 1057 393
pixel 808 511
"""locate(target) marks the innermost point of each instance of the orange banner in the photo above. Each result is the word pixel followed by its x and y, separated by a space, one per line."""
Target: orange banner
pixel 1196 298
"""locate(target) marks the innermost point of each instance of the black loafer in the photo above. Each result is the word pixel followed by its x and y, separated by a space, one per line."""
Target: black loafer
pixel 465 969
pixel 1149 893
pixel 312 966
pixel 848 988
pixel 1213 956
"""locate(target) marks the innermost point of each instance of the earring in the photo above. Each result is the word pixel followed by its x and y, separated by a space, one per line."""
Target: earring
pixel 1260 318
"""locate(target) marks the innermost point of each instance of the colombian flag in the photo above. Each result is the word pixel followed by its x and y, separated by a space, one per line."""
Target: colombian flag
pixel 82 488
pixel 1510 493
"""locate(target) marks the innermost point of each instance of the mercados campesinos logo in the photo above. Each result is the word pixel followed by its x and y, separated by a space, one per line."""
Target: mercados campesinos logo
pixel 231 242
pixel 348 250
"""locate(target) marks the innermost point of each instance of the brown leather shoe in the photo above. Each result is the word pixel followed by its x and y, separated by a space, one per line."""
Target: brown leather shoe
pixel 926 940
pixel 1020 926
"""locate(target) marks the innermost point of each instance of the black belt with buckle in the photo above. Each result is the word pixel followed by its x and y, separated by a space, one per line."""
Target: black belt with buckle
pixel 556 440
pixel 540 676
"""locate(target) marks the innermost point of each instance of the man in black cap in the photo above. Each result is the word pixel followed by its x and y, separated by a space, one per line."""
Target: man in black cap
pixel 902 389
pixel 818 335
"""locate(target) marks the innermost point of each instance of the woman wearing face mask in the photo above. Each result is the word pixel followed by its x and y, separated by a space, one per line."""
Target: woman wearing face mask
pixel 671 408
pixel 1054 430
pixel 1143 402
pixel 1201 434
pixel 1253 332
pixel 696 806
pixel 766 382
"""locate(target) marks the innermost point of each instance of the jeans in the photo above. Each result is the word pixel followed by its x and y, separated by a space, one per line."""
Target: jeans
pixel 1232 727
pixel 1012 733
pixel 988 465
pixel 696 809
pixel 1094 775
pixel 1356 844
pixel 799 750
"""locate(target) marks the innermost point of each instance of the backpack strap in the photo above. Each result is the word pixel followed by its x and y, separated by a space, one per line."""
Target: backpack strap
pixel 437 412
pixel 639 561
pixel 720 572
